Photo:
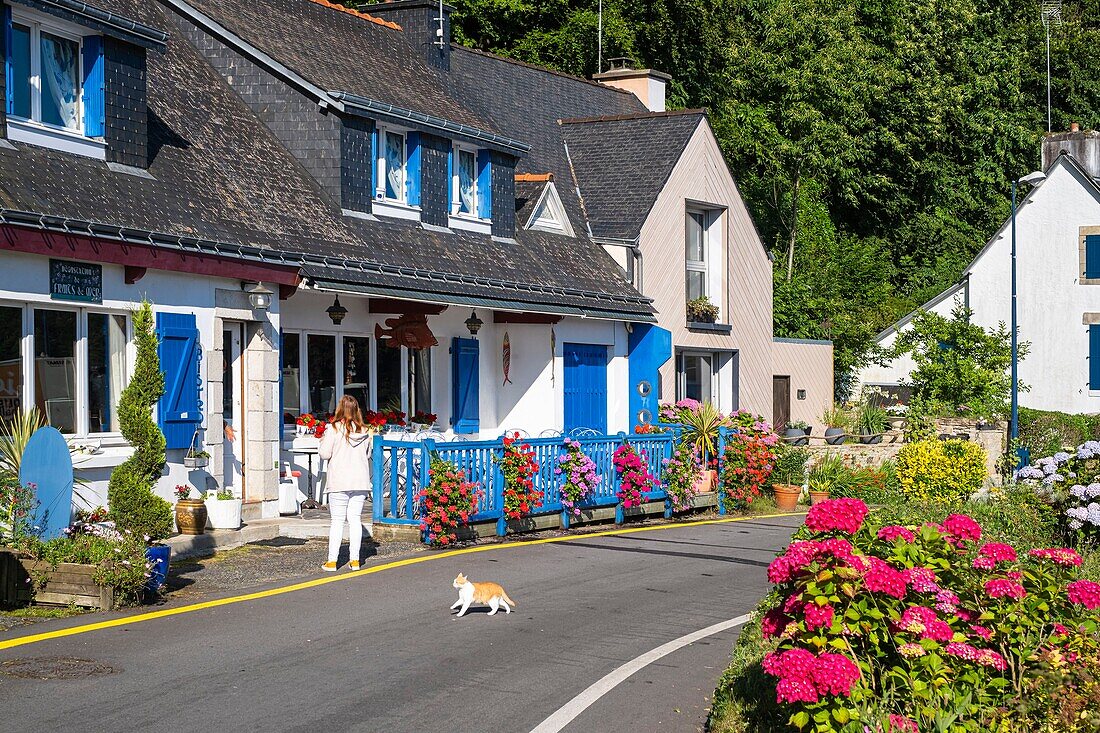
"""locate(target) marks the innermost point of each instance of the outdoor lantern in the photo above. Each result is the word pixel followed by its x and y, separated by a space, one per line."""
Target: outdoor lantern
pixel 473 323
pixel 336 311
pixel 260 297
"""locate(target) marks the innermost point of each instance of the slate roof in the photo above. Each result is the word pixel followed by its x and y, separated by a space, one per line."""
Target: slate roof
pixel 218 174
pixel 339 51
pixel 621 163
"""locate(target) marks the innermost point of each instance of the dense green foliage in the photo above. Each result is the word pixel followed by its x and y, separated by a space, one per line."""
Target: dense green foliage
pixel 960 367
pixel 134 506
pixel 1045 433
pixel 874 141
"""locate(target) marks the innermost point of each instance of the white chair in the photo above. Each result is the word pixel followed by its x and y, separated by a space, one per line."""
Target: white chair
pixel 290 493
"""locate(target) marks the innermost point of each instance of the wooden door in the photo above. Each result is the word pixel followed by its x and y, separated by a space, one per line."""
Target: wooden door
pixel 781 402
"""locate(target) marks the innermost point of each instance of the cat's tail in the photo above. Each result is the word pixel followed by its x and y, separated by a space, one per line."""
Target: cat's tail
pixel 508 600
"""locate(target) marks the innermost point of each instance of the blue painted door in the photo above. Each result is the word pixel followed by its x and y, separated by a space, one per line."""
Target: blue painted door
pixel 585 387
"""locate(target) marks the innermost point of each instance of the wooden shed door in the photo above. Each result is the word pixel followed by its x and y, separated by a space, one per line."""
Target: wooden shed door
pixel 781 402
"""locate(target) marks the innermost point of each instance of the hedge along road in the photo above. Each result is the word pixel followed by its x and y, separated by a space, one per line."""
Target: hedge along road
pixel 379 651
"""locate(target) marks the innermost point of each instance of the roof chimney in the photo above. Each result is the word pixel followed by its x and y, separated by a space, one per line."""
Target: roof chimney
pixel 423 24
pixel 1084 146
pixel 647 85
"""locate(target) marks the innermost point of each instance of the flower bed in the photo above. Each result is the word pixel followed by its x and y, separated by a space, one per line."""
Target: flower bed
pixel 447 503
pixel 747 465
pixel 880 627
pixel 579 477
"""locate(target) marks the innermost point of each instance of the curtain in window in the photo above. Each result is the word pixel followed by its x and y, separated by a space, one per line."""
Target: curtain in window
pixel 59 87
pixel 116 342
pixel 395 164
pixel 466 164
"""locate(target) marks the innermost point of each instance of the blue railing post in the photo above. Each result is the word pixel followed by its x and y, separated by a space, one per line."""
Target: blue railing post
pixel 722 434
pixel 378 460
pixel 498 494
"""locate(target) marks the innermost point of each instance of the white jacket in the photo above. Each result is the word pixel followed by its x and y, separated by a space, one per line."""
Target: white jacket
pixel 348 458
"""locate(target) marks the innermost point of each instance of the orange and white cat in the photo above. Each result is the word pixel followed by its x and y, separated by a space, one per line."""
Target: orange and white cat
pixel 487 593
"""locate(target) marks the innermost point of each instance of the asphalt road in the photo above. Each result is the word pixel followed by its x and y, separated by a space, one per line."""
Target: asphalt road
pixel 381 652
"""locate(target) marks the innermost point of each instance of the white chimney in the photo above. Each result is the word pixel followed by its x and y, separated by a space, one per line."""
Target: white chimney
pixel 647 85
pixel 1084 145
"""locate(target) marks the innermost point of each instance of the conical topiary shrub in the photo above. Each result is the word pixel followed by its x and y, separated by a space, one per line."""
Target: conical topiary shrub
pixel 130 495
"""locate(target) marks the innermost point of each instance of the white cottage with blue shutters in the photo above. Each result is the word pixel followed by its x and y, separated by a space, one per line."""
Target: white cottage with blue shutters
pixel 1058 290
pixel 398 219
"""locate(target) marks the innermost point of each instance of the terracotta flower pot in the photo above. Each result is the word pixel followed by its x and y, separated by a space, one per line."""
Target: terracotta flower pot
pixel 816 497
pixel 191 516
pixel 786 496
pixel 705 482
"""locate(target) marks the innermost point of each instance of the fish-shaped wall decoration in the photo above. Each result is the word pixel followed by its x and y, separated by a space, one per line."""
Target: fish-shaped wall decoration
pixel 507 358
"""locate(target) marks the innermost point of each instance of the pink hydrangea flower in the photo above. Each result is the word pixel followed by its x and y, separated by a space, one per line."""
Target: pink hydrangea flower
pixel 911 650
pixel 774 623
pixel 1061 630
pixel 842 515
pixel 981 631
pixel 946 601
pixel 962 651
pixel 1059 555
pixel 880 577
pixel 990 658
pixel 1004 588
pixel 992 553
pixel 893 532
pixel 835 674
pixel 924 622
pixel 901 724
pixel 922 580
pixel 804 677
pixel 962 527
pixel 818 616
pixel 1084 592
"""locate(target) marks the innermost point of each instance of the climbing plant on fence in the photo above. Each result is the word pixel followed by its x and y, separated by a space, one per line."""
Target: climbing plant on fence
pixel 448 502
pixel 519 467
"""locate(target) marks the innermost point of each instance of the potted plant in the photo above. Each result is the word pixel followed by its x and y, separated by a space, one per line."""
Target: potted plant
pixel 895 416
pixel 196 459
pixel 423 420
pixel 788 475
pixel 871 422
pixel 837 421
pixel 701 310
pixel 828 476
pixel 797 433
pixel 701 421
pixel 223 509
pixel 190 513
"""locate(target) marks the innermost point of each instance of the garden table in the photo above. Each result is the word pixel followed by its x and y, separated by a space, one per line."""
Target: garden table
pixel 309 453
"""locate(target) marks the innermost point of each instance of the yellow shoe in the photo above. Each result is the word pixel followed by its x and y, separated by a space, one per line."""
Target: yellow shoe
pixel 353 565
pixel 329 567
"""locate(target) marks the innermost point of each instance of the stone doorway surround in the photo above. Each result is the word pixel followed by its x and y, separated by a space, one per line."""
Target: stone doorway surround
pixel 261 402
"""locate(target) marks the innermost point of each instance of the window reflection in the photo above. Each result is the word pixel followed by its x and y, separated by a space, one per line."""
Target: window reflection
pixel 321 358
pixel 106 370
pixel 357 369
pixel 55 367
pixel 11 362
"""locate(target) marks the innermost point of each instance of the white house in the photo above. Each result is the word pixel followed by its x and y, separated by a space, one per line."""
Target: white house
pixel 1058 283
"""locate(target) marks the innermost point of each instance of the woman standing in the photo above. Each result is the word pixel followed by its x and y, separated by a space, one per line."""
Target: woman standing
pixel 346 445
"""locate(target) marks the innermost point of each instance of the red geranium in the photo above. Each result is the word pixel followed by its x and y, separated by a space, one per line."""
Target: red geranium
pixel 446 503
pixel 519 468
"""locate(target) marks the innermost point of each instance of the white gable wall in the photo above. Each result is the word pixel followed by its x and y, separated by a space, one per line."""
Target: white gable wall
pixel 1051 302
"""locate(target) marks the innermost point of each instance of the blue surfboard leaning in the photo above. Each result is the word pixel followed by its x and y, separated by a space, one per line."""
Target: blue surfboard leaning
pixel 48 467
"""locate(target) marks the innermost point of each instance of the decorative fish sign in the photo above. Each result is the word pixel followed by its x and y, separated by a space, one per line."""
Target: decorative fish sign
pixel 409 330
pixel 507 358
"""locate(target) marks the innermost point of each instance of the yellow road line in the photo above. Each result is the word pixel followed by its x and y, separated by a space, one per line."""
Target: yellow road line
pixel 164 613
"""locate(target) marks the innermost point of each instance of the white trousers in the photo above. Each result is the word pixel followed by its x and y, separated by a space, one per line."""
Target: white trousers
pixel 345 506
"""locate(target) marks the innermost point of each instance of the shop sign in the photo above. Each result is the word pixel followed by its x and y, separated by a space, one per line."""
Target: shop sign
pixel 80 281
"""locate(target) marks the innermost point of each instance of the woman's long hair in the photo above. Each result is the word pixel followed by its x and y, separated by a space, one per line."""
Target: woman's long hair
pixel 349 415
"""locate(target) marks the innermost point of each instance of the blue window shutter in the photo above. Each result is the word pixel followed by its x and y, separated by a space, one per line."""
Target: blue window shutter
pixel 412 169
pixel 94 102
pixel 484 185
pixel 9 86
pixel 282 410
pixel 465 405
pixel 373 161
pixel 450 180
pixel 1092 256
pixel 179 411
pixel 1094 357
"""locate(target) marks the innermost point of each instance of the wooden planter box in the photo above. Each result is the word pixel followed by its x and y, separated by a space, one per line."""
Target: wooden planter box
pixel 65 584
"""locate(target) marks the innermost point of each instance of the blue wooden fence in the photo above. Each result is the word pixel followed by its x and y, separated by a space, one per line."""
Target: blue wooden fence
pixel 401 472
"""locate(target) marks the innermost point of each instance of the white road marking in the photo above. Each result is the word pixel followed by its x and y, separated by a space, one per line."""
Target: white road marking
pixel 566 713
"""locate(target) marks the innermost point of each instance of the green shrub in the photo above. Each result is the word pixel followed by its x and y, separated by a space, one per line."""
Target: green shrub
pixel 130 495
pixel 1045 433
pixel 948 471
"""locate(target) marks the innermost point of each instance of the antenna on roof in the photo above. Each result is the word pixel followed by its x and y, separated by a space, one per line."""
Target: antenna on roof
pixel 1051 13
pixel 440 39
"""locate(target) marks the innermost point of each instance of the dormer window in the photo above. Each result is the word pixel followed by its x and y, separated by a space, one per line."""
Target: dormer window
pixel 549 213
pixel 397 173
pixel 55 89
pixel 471 189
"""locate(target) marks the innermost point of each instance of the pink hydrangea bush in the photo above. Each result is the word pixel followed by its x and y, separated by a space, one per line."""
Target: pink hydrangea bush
pixel 891 628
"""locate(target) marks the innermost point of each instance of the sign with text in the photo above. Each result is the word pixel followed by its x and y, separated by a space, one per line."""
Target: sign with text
pixel 80 281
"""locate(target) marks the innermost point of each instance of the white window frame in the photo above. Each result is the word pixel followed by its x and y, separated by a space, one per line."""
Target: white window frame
pixel 681 373
pixel 38 22
pixel 82 397
pixel 339 384
pixel 713 265
pixel 456 188
pixel 703 265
